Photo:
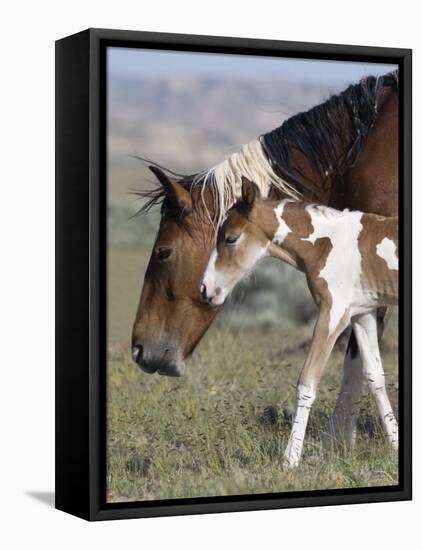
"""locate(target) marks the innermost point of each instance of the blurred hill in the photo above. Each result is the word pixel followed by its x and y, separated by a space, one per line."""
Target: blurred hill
pixel 191 124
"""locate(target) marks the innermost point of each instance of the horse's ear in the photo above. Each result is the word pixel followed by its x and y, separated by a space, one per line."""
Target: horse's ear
pixel 178 196
pixel 250 192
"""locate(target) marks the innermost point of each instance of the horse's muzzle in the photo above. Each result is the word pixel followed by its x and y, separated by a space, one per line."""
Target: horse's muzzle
pixel 160 360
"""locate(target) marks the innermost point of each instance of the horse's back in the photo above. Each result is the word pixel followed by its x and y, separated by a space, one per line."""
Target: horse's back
pixel 372 184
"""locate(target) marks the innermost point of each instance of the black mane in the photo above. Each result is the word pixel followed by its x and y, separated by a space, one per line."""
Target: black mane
pixel 319 133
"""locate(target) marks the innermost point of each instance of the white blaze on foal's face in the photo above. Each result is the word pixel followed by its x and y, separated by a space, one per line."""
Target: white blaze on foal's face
pixel 240 245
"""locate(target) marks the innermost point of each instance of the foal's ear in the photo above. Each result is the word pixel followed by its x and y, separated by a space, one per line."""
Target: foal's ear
pixel 178 196
pixel 250 192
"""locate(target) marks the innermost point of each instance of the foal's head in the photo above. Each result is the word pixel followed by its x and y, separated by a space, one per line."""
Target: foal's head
pixel 241 243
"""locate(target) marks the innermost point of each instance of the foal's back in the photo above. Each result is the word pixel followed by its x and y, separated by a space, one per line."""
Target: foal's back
pixel 379 249
pixel 356 254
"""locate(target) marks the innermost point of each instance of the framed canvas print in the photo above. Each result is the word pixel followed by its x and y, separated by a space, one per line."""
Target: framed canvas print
pixel 233 274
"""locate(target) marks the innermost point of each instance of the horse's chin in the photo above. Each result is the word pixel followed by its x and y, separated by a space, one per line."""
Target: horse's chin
pixel 165 369
pixel 164 366
pixel 179 369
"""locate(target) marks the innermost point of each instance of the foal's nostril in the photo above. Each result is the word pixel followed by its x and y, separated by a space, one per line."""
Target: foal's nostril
pixel 203 291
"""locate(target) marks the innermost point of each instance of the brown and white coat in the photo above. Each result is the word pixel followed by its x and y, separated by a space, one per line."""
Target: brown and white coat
pixel 350 260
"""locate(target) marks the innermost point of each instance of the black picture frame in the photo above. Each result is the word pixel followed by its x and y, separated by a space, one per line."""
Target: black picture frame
pixel 81 273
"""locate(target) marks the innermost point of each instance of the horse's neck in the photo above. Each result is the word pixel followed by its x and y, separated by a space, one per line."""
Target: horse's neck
pixel 312 184
pixel 313 188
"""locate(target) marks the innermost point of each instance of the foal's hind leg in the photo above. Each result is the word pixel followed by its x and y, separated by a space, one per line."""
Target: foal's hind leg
pixel 341 428
pixel 365 328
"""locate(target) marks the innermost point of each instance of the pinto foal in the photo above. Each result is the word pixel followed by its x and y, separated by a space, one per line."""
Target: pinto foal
pixel 351 265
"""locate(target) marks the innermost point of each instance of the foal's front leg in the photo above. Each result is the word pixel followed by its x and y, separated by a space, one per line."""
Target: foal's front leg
pixel 321 347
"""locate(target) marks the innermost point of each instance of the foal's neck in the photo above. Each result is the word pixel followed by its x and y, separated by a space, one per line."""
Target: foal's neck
pixel 287 225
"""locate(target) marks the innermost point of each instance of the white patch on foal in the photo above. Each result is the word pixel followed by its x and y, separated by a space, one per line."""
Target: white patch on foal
pixel 386 250
pixel 283 229
pixel 342 268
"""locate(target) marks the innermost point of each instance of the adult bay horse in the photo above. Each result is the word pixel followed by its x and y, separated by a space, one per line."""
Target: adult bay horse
pixel 342 153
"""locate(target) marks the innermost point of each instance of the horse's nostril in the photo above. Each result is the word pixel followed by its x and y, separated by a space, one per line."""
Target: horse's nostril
pixel 203 291
pixel 137 353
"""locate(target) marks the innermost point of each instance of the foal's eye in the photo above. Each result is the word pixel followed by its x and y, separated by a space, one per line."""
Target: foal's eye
pixel 231 239
pixel 163 253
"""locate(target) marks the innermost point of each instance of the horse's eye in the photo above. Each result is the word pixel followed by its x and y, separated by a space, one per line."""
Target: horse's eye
pixel 231 239
pixel 164 253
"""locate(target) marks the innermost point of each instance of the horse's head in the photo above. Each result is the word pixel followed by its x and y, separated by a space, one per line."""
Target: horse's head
pixel 241 243
pixel 171 316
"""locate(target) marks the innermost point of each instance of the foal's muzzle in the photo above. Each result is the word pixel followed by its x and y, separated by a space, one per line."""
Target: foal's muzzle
pixel 211 295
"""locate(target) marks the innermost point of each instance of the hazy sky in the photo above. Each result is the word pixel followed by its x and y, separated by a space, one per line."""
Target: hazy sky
pixel 138 63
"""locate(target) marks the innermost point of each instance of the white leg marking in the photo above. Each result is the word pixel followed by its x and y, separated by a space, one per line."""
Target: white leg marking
pixel 305 396
pixel 365 328
pixel 342 424
pixel 386 250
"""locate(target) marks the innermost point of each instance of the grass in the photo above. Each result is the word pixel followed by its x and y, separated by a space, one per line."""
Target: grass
pixel 222 429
